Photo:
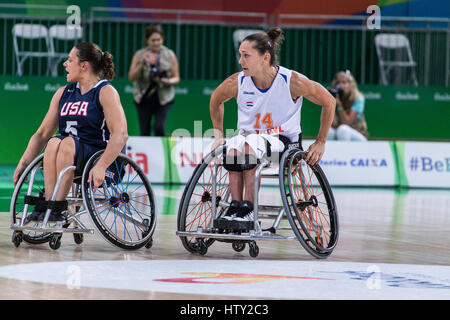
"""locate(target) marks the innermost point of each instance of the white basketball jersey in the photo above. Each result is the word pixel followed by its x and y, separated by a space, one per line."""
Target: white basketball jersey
pixel 271 110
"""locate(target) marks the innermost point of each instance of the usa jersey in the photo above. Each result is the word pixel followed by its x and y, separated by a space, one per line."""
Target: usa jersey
pixel 272 110
pixel 81 115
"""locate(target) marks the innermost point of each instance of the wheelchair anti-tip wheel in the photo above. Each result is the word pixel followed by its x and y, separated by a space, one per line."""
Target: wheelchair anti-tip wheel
pixel 196 206
pixel 309 204
pixel 28 190
pixel 123 207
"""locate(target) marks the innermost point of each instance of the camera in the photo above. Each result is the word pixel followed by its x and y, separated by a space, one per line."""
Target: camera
pixel 156 73
pixel 336 92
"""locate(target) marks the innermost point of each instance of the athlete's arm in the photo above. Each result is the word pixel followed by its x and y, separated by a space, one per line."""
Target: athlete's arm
pixel 225 91
pixel 39 139
pixel 117 125
pixel 316 93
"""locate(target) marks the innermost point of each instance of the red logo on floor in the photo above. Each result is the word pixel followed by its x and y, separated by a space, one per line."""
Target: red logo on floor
pixel 231 278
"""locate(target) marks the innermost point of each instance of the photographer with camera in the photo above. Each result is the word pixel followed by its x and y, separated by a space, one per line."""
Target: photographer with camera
pixel 349 122
pixel 154 72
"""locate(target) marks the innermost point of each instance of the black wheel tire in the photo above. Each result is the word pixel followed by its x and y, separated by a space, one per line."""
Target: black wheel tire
pixel 17 238
pixel 238 246
pixel 253 249
pixel 55 242
pixel 202 247
pixel 149 244
pixel 78 238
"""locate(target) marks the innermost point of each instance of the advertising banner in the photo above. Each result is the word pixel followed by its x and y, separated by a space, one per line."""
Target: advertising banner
pixel 424 164
pixel 352 163
pixel 185 154
pixel 149 153
pixel 344 163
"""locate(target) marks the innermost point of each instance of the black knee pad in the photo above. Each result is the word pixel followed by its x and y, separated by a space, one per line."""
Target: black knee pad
pixel 240 163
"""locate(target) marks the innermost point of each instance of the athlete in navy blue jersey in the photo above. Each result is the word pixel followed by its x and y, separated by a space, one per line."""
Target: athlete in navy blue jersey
pixel 89 117
pixel 81 115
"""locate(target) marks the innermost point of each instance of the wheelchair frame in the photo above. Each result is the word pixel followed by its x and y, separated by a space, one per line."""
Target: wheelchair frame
pixel 258 234
pixel 53 234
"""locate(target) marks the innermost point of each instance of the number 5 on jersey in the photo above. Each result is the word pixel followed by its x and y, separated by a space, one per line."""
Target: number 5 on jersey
pixel 70 127
pixel 266 120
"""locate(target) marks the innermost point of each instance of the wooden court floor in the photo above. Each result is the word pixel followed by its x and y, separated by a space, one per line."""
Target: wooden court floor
pixel 377 225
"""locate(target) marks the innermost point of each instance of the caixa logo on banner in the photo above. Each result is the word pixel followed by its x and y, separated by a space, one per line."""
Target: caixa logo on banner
pixel 427 164
pixel 368 162
pixel 355 162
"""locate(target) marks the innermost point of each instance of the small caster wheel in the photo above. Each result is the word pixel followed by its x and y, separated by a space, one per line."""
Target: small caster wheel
pixel 238 246
pixel 55 241
pixel 149 243
pixel 78 238
pixel 17 238
pixel 253 249
pixel 202 248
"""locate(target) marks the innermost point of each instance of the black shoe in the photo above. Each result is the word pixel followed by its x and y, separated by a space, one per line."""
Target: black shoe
pixel 233 209
pixel 39 210
pixel 35 216
pixel 55 217
pixel 246 213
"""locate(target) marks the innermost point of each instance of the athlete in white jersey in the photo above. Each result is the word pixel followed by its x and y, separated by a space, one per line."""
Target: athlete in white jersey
pixel 269 100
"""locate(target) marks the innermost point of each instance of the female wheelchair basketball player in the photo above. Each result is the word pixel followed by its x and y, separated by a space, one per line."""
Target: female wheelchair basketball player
pixel 220 201
pixel 90 117
pixel 90 148
pixel 269 100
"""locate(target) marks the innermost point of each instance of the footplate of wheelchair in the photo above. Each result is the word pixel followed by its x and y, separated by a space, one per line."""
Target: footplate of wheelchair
pixel 233 225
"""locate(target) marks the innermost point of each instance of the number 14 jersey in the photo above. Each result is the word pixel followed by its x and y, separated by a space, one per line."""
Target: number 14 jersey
pixel 272 110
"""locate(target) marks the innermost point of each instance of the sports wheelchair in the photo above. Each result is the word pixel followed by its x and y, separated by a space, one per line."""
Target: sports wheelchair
pixel 122 209
pixel 307 203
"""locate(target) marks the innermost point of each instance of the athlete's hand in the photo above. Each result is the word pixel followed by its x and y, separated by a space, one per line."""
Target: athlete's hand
pixel 96 176
pixel 17 173
pixel 315 152
pixel 217 142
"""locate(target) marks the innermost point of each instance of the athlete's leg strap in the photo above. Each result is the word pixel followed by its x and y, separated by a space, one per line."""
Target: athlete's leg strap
pixel 240 162
pixel 57 206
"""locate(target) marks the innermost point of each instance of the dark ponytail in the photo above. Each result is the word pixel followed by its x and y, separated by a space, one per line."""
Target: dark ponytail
pixel 107 65
pixel 101 61
pixel 269 41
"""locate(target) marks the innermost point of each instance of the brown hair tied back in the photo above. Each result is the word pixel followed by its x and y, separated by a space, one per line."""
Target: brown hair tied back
pixel 101 61
pixel 268 42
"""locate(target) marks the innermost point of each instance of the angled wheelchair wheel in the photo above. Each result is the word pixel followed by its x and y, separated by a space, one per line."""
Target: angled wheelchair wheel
pixel 196 206
pixel 28 189
pixel 123 207
pixel 309 204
